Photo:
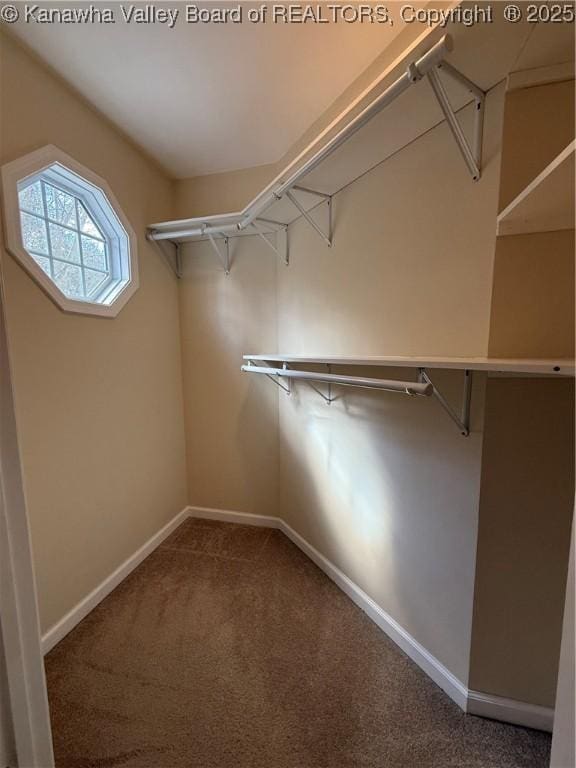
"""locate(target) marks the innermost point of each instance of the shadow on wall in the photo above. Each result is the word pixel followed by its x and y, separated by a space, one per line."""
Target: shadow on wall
pixel 387 489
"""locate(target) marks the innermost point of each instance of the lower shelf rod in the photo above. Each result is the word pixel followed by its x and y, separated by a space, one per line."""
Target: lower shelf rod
pixel 390 385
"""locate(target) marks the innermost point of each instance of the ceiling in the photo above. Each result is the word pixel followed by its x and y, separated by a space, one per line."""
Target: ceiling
pixel 204 97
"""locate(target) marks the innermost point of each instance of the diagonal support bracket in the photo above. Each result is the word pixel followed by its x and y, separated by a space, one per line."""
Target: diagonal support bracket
pixel 280 248
pixel 462 421
pixel 327 237
pixel 222 253
pixel 472 155
pixel 171 254
pixel 329 398
pixel 286 387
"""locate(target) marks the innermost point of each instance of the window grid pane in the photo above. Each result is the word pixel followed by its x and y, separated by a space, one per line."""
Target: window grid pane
pixel 64 243
pixel 87 224
pixel 34 235
pixel 64 226
pixel 80 245
pixel 61 206
pixel 93 253
pixel 31 199
pixel 76 256
pixel 45 207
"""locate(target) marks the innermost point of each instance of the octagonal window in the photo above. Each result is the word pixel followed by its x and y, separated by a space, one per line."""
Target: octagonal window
pixel 69 233
pixel 64 240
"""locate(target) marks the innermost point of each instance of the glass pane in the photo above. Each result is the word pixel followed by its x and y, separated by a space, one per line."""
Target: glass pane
pixel 64 244
pixel 87 223
pixel 93 280
pixel 93 253
pixel 43 262
pixel 60 205
pixel 34 233
pixel 69 279
pixel 31 198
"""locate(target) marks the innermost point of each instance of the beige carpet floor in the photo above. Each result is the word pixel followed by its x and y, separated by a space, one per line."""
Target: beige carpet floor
pixel 228 648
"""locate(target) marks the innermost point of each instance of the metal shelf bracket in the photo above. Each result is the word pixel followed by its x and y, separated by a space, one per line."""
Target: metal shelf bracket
pixel 472 156
pixel 328 398
pixel 326 236
pixel 223 254
pixel 286 387
pixel 171 254
pixel 463 421
pixel 280 247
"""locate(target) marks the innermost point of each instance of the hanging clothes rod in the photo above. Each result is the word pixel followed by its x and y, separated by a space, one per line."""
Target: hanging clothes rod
pixel 423 388
pixel 415 72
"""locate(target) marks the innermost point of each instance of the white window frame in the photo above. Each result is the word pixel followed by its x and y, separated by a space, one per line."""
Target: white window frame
pixel 59 169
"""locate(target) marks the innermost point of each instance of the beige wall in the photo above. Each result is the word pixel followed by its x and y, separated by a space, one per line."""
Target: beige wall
pixel 221 192
pixel 99 401
pixel 387 489
pixel 539 123
pixel 532 312
pixel 410 272
pixel 231 426
pixel 383 485
pixel 526 505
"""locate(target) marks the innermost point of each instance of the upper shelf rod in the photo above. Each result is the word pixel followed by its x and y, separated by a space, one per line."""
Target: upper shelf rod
pixel 415 72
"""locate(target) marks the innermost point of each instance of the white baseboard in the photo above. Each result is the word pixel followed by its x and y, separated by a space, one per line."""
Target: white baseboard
pixel 227 516
pixel 411 647
pixel 473 702
pixel 510 711
pixel 83 608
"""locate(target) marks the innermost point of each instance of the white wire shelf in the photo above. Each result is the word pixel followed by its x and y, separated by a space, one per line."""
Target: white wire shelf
pixel 395 109
pixel 280 369
pixel 548 367
pixel 285 199
pixel 547 203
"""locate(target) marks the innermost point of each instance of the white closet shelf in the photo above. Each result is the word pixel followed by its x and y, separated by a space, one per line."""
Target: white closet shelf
pixel 547 203
pixel 279 368
pixel 552 366
pixel 284 200
pixel 373 127
pixel 421 88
